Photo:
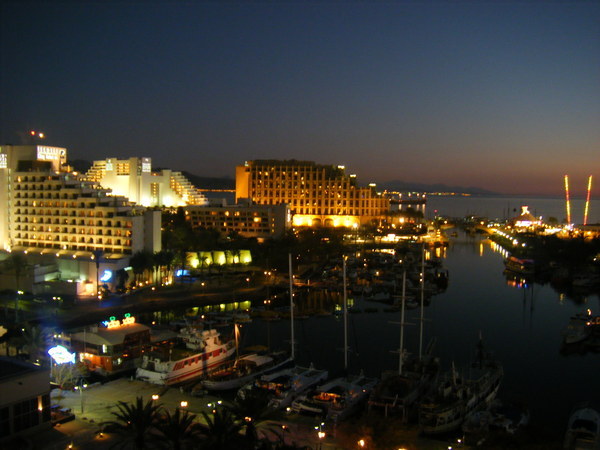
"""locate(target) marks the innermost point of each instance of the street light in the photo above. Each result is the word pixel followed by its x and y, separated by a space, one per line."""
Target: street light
pixel 321 434
pixel 80 388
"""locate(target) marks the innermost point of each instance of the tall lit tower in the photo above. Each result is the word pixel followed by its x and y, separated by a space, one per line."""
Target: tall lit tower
pixel 568 199
pixel 587 200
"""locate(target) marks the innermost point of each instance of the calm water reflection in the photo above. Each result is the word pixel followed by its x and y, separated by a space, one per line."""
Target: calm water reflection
pixel 521 326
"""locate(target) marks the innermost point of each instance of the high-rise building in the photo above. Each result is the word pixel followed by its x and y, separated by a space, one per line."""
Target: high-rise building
pixel 134 178
pixel 51 211
pixel 316 194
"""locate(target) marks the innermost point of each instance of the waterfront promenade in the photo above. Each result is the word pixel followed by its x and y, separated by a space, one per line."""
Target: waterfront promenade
pixel 95 405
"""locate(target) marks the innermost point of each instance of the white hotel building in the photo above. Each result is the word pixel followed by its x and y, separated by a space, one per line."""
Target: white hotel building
pixel 133 178
pixel 54 212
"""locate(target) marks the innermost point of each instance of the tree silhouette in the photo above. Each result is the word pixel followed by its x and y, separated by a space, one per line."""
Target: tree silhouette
pixel 135 422
pixel 222 430
pixel 179 429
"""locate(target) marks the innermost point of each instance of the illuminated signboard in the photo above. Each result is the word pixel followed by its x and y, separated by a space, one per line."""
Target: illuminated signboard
pixel 146 165
pixel 112 322
pixel 61 355
pixel 106 276
pixel 50 153
pixel 3 161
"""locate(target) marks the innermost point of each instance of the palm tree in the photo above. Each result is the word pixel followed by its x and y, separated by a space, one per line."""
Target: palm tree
pixel 179 429
pixel 135 422
pixel 164 258
pixel 140 262
pixel 18 263
pixel 34 341
pixel 222 430
pixel 251 411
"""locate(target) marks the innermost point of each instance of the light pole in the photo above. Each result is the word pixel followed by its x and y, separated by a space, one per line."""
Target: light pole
pixel 80 388
pixel 320 434
pixel 97 255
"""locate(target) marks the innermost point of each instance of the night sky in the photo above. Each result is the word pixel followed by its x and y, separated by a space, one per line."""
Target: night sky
pixel 500 95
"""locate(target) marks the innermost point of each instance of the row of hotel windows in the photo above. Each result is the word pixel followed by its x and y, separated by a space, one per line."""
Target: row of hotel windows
pixel 370 203
pixel 73 239
pixel 364 203
pixel 351 211
pixel 31 218
pixel 353 195
pixel 66 230
pixel 227 213
pixel 215 224
pixel 65 213
pixel 126 250
pixel 58 186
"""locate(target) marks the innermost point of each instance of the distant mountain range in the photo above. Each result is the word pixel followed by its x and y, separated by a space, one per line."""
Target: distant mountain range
pixel 200 182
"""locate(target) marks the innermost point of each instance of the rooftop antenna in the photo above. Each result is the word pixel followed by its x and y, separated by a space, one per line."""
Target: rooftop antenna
pixel 568 199
pixel 587 200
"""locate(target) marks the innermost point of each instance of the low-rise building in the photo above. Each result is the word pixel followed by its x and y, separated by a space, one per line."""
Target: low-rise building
pixel 246 219
pixel 24 398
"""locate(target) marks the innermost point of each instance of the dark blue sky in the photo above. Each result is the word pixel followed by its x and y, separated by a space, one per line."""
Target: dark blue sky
pixel 499 95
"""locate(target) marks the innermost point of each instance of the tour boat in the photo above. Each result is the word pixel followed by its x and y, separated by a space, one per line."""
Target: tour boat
pixel 337 399
pixel 455 397
pixel 235 373
pixel 205 350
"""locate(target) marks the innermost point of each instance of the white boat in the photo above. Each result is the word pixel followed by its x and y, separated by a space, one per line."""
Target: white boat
pixel 236 373
pixel 455 397
pixel 336 399
pixel 205 350
pixel 583 430
pixel 285 385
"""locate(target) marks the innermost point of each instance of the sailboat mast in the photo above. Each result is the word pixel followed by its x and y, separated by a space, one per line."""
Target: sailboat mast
pixel 291 306
pixel 422 301
pixel 345 316
pixel 401 358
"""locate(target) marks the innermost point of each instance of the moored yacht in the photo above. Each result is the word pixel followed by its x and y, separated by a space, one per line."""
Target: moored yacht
pixel 235 373
pixel 454 397
pixel 580 327
pixel 285 385
pixel 204 351
pixel 336 399
pixel 583 430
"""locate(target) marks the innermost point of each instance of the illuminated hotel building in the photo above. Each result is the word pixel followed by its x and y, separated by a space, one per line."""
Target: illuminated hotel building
pixel 133 178
pixel 316 194
pixel 259 221
pixel 49 211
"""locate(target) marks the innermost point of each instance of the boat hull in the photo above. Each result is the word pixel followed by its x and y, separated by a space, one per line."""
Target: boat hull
pixel 187 369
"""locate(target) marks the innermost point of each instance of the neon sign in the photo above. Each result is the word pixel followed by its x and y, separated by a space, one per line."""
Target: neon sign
pixel 112 321
pixel 106 276
pixel 61 355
